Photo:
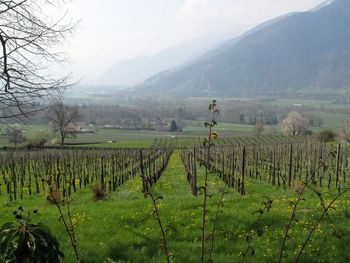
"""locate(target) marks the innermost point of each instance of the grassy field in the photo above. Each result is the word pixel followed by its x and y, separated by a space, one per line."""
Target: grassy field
pixel 308 102
pixel 332 120
pixel 30 131
pixel 304 102
pixel 127 138
pixel 123 229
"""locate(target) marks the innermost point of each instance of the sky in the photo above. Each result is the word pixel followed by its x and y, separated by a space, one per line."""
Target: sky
pixel 110 31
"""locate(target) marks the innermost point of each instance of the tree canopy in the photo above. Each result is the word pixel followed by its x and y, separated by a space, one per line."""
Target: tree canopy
pixel 295 124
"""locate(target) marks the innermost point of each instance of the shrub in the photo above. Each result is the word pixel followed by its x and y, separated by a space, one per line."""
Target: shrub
pixel 23 241
pixel 39 140
pixel 54 197
pixel 298 186
pixel 326 136
pixel 99 192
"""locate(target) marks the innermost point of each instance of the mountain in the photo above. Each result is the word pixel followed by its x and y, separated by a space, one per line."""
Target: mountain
pixel 322 5
pixel 135 70
pixel 306 51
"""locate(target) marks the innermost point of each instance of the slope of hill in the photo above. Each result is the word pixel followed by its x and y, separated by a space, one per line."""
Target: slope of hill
pixel 302 51
pixel 135 70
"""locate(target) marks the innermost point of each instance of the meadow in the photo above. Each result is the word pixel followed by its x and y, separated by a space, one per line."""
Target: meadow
pixel 143 138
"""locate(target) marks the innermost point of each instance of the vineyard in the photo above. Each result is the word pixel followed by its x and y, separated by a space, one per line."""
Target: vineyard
pixel 27 173
pixel 180 142
pixel 305 185
pixel 281 165
pixel 277 163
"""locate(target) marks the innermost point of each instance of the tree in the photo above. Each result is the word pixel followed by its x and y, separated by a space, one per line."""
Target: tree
pixel 295 124
pixel 241 118
pixel 173 126
pixel 258 128
pixel 180 124
pixel 15 135
pixel 28 39
pixel 61 117
pixel 344 132
pixel 315 121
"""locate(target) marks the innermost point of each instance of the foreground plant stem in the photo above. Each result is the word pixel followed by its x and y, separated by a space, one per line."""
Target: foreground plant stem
pixel 161 227
pixel 295 206
pixel 324 213
pixel 267 206
pixel 69 227
pixel 220 204
pixel 204 212
pixel 208 144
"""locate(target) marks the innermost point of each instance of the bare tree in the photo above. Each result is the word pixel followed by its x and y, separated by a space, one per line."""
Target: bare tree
pixel 15 135
pixel 28 37
pixel 180 124
pixel 344 132
pixel 295 124
pixel 62 117
pixel 258 128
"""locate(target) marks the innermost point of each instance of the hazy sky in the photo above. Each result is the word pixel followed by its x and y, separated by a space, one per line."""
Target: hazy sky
pixel 113 30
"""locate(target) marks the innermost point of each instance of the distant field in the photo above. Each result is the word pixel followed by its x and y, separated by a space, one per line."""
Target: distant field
pixel 291 102
pixel 30 131
pixel 222 128
pixel 331 120
pixel 145 138
pixel 307 102
pixel 132 138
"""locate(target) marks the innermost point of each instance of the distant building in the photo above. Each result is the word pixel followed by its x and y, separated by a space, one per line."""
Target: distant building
pixel 72 129
pixel 75 129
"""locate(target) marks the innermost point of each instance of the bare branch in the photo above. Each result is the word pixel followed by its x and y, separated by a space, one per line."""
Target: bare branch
pixel 28 38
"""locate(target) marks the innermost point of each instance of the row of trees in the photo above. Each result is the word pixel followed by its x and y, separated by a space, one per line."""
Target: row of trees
pixel 61 117
pixel 158 116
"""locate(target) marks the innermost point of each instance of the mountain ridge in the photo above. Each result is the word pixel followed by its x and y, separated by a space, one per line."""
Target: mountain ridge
pixel 300 51
pixel 137 69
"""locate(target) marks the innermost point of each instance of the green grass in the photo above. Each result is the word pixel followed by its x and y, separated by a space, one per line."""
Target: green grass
pixel 332 120
pixel 223 128
pixel 228 129
pixel 132 138
pixel 308 102
pixel 124 229
pixel 305 102
pixel 29 131
pixel 125 144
